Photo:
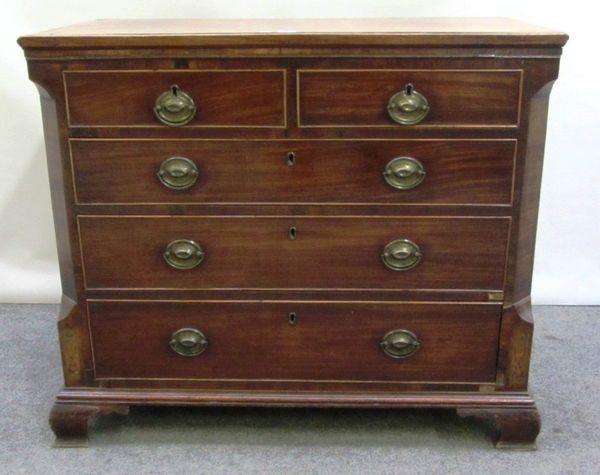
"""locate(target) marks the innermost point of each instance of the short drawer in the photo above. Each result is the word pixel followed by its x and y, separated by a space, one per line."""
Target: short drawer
pixel 323 342
pixel 293 252
pixel 455 98
pixel 458 172
pixel 222 98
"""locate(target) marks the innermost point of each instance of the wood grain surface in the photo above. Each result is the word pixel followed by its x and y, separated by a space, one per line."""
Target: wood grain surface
pixel 337 31
pixel 330 341
pixel 359 97
pixel 224 98
pixel 329 253
pixel 458 172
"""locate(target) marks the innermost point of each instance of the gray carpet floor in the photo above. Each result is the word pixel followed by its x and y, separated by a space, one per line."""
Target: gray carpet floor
pixel 565 380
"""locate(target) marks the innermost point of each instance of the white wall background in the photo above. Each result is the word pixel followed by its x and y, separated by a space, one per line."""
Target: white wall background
pixel 567 266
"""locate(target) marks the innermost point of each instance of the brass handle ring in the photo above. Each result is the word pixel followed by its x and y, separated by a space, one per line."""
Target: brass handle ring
pixel 183 254
pixel 400 343
pixel 174 107
pixel 188 342
pixel 408 107
pixel 404 173
pixel 401 255
pixel 178 173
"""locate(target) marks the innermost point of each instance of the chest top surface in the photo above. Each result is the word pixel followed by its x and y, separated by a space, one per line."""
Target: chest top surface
pixel 273 32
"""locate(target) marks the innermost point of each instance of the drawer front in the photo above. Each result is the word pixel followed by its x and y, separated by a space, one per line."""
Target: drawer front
pixel 455 171
pixel 319 253
pixel 354 98
pixel 328 341
pixel 223 98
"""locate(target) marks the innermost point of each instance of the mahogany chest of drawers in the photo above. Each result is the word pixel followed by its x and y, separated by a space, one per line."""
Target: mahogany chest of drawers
pixel 296 213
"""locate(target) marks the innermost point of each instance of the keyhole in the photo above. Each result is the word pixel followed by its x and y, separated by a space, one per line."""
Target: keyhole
pixel 292 318
pixel 293 233
pixel 291 159
pixel 409 89
pixel 174 89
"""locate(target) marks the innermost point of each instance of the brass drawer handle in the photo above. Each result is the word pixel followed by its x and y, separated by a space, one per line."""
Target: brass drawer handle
pixel 188 342
pixel 408 107
pixel 401 255
pixel 178 173
pixel 404 173
pixel 183 254
pixel 400 343
pixel 174 107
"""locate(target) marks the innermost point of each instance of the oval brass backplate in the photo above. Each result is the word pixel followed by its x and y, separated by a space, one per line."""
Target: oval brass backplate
pixel 178 173
pixel 401 255
pixel 174 107
pixel 183 254
pixel 188 342
pixel 408 107
pixel 404 173
pixel 400 343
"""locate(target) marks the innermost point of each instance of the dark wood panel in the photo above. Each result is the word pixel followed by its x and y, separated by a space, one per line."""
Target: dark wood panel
pixel 517 322
pixel 456 98
pixel 304 133
pixel 458 172
pixel 328 342
pixel 331 253
pixel 306 209
pixel 227 98
pixel 291 386
pixel 73 334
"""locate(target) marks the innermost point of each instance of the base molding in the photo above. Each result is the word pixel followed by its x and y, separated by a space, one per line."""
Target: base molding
pixel 294 398
pixel 514 415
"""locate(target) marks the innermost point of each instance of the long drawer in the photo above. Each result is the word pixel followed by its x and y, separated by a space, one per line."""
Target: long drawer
pixel 457 172
pixel 360 97
pixel 221 98
pixel 294 252
pixel 323 341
